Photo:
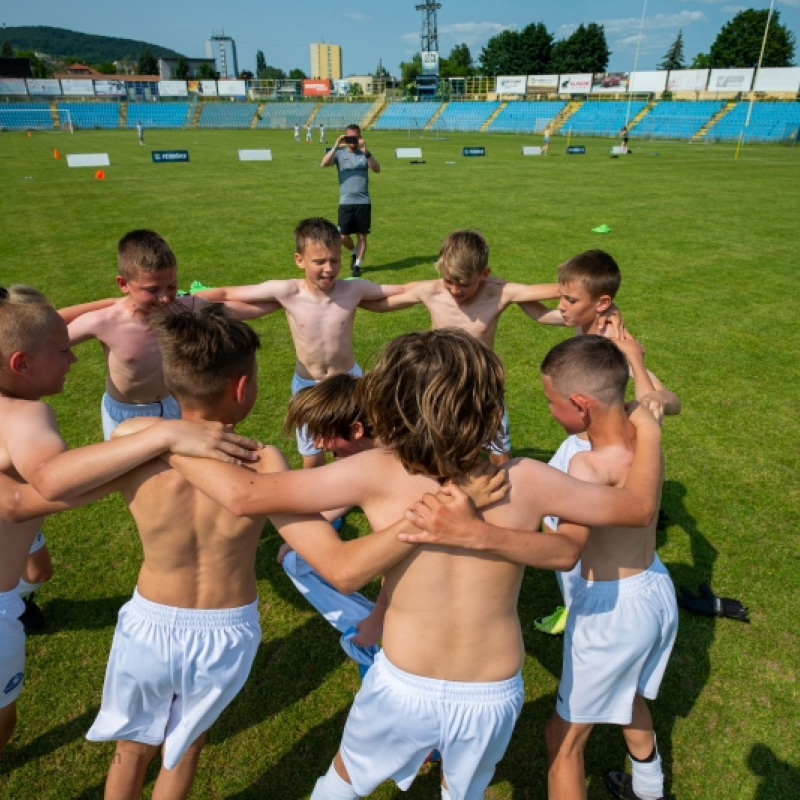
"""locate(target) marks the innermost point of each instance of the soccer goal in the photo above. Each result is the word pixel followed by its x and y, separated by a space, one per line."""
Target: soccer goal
pixel 33 119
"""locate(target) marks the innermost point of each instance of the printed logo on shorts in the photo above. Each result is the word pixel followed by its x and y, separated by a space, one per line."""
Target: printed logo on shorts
pixel 13 683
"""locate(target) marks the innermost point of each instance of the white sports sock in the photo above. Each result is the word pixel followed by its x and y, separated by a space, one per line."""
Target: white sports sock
pixel 333 787
pixel 648 778
pixel 24 588
pixel 445 794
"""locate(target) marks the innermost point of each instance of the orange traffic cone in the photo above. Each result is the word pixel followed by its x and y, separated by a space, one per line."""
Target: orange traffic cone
pixel 55 154
pixel 100 175
pixel 29 134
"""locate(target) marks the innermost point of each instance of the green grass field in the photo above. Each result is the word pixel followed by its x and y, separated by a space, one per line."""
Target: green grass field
pixel 708 249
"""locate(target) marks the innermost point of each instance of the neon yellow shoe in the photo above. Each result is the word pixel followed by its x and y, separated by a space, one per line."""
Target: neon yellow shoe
pixel 554 624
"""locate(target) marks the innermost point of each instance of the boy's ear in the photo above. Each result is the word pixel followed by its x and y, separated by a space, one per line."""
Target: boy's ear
pixel 603 303
pixel 582 402
pixel 18 362
pixel 122 284
pixel 357 430
pixel 298 259
pixel 239 387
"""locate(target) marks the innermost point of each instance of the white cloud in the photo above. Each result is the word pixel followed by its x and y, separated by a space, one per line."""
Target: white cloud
pixel 789 3
pixel 469 33
pixel 356 16
pixel 734 9
pixel 628 26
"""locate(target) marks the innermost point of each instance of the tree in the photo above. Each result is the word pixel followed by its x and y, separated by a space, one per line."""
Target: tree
pixel 246 75
pixel 7 51
pixel 261 63
pixel 181 70
pixel 106 68
pixel 536 47
pixel 458 64
pixel 700 61
pixel 501 54
pixel 673 58
pixel 297 74
pixel 147 64
pixel 355 90
pixel 38 67
pixel 738 44
pixel 410 69
pixel 205 72
pixel 586 50
pixel 272 74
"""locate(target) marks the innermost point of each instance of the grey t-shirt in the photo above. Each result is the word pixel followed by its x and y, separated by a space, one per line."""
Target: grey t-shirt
pixel 353 177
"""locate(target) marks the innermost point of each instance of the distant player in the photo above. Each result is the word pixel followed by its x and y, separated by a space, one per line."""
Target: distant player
pixel 140 132
pixel 297 131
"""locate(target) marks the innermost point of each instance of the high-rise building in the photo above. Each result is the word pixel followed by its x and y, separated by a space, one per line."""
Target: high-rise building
pixel 223 50
pixel 326 61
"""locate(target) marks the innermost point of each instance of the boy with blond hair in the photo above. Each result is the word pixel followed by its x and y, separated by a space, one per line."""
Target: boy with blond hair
pixel 34 360
pixel 320 309
pixel 451 680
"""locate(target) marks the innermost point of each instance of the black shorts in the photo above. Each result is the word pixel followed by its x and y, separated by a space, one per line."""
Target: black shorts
pixel 355 218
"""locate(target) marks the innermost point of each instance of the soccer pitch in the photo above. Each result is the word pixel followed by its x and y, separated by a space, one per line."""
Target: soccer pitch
pixel 708 249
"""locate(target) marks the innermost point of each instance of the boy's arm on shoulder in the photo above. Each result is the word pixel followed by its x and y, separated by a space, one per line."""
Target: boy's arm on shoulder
pixel 540 313
pixel 379 291
pixel 527 293
pixel 86 325
pixel 408 295
pixel 71 313
pixel 266 292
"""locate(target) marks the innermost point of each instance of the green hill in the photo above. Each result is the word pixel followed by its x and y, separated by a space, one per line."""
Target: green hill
pixel 86 46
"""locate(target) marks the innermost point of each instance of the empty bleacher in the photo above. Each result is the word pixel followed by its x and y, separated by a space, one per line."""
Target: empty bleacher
pixel 407 116
pixel 769 122
pixel 285 115
pixel 21 116
pixel 157 115
pixel 526 117
pixel 337 116
pixel 598 118
pixel 676 120
pixel 90 115
pixel 464 116
pixel 227 115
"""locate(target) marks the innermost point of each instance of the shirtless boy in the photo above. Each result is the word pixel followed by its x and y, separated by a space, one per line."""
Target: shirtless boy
pixel 466 297
pixel 471 650
pixel 623 615
pixel 34 361
pixel 320 308
pixel 185 643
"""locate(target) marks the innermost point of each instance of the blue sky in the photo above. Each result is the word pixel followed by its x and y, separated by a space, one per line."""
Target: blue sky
pixel 387 30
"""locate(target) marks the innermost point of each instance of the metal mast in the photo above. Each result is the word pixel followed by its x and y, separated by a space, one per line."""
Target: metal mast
pixel 429 38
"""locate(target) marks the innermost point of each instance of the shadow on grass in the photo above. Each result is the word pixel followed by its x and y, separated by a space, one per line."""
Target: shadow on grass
pixel 535 453
pixel 780 779
pixel 81 615
pixel 406 263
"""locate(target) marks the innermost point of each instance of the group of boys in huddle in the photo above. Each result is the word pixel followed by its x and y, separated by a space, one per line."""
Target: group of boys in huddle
pixel 409 436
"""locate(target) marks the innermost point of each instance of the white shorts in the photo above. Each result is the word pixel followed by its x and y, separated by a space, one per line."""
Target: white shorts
pixel 38 543
pixel 618 640
pixel 503 442
pixel 305 443
pixel 12 647
pixel 398 718
pixel 112 412
pixel 173 671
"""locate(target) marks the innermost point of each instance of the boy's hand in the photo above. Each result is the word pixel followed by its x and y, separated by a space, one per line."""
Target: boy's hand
pixel 370 630
pixel 641 417
pixel 485 484
pixel 632 348
pixel 610 323
pixel 210 440
pixel 654 403
pixel 446 523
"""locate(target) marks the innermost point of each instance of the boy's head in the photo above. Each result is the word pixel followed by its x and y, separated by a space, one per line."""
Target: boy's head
pixel 463 264
pixel 436 399
pixel 318 253
pixel 34 344
pixel 588 284
pixel 333 415
pixel 206 354
pixel 148 270
pixel 583 367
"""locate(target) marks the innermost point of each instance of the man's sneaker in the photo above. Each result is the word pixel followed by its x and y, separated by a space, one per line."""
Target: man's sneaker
pixel 620 784
pixel 554 624
pixel 32 617
pixel 355 269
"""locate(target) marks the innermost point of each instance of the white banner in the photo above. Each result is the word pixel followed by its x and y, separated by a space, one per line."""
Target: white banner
pixel 575 84
pixel 430 61
pixel 687 80
pixel 255 155
pixel 778 79
pixel 109 88
pixel 531 151
pixel 542 82
pixel 13 86
pixel 510 84
pixel 231 88
pixel 88 160
pixel 172 89
pixel 43 86
pixel 653 82
pixel 731 80
pixel 408 152
pixel 341 87
pixel 75 87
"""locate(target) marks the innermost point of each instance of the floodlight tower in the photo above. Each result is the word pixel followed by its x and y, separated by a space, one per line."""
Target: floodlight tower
pixel 429 38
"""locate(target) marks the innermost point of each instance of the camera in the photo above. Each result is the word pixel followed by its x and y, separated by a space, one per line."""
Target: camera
pixel 351 139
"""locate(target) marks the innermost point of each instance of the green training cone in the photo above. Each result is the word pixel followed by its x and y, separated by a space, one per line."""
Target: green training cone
pixel 601 229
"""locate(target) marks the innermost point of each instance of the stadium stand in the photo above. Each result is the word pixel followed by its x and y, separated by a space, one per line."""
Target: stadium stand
pixel 676 120
pixel 525 117
pixel 464 116
pixel 769 122
pixel 597 118
pixel 284 115
pixel 227 115
pixel 90 115
pixel 405 116
pixel 22 116
pixel 157 115
pixel 337 116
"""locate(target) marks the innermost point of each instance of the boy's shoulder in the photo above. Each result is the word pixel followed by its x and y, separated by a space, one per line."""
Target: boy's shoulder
pixel 606 464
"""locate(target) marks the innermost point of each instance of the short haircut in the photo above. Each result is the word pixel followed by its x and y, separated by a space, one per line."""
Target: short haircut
pixel 435 398
pixel 464 256
pixel 591 365
pixel 143 252
pixel 354 127
pixel 595 270
pixel 203 349
pixel 316 229
pixel 26 318
pixel 328 409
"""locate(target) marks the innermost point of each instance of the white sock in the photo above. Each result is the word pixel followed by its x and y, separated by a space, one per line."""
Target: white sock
pixel 648 778
pixel 24 588
pixel 333 787
pixel 445 794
